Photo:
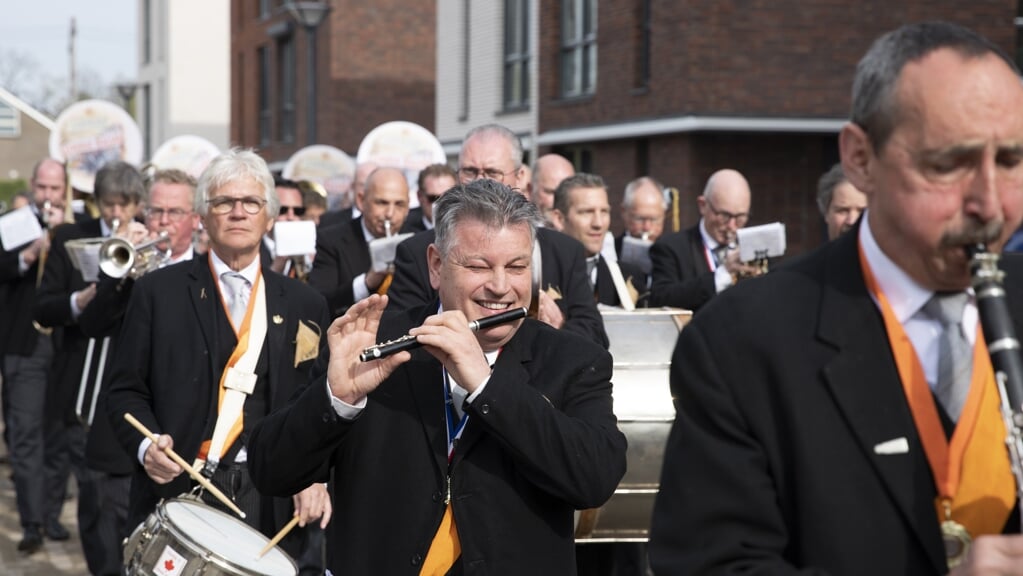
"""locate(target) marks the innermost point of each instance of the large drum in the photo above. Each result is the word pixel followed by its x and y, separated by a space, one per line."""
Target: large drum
pixel 185 537
pixel 642 342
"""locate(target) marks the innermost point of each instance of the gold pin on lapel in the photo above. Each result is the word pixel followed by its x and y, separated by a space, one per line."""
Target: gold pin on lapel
pixel 278 319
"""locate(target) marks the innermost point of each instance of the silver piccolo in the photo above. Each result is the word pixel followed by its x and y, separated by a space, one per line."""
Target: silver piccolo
pixel 408 342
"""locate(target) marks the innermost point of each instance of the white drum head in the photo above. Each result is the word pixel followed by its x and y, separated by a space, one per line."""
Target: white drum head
pixel 227 537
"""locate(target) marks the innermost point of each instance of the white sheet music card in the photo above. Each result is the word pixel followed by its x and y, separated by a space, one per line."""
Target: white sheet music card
pixel 764 241
pixel 636 251
pixel 381 251
pixel 19 227
pixel 84 256
pixel 295 238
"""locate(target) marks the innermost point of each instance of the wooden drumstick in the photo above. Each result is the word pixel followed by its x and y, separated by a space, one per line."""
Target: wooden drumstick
pixel 280 536
pixel 188 468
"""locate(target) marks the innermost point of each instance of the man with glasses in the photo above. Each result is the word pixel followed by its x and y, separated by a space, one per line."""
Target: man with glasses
pixel 692 266
pixel 211 347
pixel 565 298
pixel 292 210
pixel 434 180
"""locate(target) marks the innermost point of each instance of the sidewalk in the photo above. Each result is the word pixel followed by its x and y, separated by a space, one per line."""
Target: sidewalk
pixel 55 558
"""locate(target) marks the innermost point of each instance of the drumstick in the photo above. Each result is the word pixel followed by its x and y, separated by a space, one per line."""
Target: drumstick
pixel 280 536
pixel 191 471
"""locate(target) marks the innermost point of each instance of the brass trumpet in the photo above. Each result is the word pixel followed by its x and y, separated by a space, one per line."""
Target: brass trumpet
pixel 118 258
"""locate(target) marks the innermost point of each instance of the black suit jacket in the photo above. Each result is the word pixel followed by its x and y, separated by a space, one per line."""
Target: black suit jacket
pixel 541 440
pixel 564 268
pixel 414 221
pixel 166 375
pixel 333 218
pixel 784 386
pixel 342 253
pixel 681 275
pixel 17 301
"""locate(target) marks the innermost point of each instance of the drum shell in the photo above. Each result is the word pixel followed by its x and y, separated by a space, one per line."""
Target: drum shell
pixel 641 343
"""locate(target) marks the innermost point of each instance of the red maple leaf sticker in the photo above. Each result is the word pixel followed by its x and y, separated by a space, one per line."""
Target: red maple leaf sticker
pixel 168 565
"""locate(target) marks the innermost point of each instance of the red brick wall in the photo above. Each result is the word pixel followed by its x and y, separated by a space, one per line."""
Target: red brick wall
pixel 740 58
pixel 376 63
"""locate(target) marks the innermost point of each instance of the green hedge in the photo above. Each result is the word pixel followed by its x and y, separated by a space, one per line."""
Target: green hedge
pixel 9 188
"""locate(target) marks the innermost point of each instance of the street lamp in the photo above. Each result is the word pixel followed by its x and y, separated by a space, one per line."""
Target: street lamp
pixel 126 91
pixel 309 15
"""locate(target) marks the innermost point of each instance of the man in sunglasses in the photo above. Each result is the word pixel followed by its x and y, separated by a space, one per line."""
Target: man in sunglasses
pixel 292 210
pixel 434 180
pixel 691 266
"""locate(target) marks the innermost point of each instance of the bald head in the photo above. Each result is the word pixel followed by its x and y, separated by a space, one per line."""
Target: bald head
pixel 384 199
pixel 725 205
pixel 548 171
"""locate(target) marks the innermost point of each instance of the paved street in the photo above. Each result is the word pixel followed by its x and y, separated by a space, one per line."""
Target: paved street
pixel 56 558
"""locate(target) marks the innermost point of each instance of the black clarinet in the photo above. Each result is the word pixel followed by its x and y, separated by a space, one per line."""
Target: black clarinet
pixel 1004 349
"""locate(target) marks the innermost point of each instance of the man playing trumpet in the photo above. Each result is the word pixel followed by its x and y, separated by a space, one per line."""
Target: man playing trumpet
pixel 198 335
pixel 471 453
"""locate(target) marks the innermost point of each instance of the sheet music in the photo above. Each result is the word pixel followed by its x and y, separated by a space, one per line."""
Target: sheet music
pixel 19 227
pixel 636 251
pixel 381 251
pixel 764 241
pixel 295 238
pixel 84 255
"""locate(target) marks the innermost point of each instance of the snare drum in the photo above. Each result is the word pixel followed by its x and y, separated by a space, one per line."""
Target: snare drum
pixel 184 537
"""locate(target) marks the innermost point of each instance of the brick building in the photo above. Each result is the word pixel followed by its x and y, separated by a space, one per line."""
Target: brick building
pixel 375 63
pixel 680 88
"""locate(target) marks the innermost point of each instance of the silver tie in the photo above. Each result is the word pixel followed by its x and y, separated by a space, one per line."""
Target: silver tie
pixel 955 354
pixel 239 302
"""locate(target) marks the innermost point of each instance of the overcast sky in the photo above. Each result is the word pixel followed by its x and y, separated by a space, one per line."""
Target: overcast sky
pixel 105 42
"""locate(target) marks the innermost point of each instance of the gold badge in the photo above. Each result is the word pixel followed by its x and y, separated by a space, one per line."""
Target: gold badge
pixel 278 319
pixel 553 292
pixel 307 341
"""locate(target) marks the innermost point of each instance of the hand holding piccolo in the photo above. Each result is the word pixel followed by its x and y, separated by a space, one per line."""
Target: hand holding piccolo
pixel 188 468
pixel 408 342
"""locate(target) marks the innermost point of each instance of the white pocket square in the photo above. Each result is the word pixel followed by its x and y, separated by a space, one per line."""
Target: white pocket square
pixel 893 446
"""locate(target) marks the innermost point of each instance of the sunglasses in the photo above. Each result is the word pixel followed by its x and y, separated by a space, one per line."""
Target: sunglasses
pixel 296 210
pixel 431 198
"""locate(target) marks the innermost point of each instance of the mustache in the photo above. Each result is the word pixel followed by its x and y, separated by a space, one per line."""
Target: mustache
pixel 974 233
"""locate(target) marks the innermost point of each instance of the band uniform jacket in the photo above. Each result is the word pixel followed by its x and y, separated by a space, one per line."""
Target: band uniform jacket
pixel 541 440
pixel 563 261
pixel 784 388
pixel 681 274
pixel 605 291
pixel 165 374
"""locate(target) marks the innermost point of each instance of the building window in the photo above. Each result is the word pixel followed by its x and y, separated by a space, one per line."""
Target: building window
pixel 516 54
pixel 10 121
pixel 641 74
pixel 264 9
pixel 147 31
pixel 286 77
pixel 581 157
pixel 578 47
pixel 265 113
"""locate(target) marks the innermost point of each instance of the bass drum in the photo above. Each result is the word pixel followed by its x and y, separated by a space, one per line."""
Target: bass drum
pixel 184 537
pixel 642 342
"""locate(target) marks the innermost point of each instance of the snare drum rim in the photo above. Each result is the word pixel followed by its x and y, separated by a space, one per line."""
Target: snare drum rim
pixel 211 556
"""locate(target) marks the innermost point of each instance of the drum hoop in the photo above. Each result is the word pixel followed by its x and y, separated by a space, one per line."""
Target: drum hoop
pixel 211 555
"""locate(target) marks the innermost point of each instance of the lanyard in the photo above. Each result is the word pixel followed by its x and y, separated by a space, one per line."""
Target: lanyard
pixel 455 425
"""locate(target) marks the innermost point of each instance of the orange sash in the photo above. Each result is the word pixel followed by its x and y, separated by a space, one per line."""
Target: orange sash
pixel 972 473
pixel 239 351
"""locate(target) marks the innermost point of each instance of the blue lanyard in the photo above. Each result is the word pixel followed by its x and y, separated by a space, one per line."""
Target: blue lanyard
pixel 455 425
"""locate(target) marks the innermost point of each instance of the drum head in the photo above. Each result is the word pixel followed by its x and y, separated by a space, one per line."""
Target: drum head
pixel 227 537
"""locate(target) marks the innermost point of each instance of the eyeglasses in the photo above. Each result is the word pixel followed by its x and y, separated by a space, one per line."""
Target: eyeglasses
pixel 225 204
pixel 296 210
pixel 431 198
pixel 173 214
pixel 740 219
pixel 470 173
pixel 645 220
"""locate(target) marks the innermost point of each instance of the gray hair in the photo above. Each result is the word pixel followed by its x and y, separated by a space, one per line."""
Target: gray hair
pixel 874 107
pixel 501 132
pixel 826 187
pixel 562 194
pixel 630 191
pixel 171 176
pixel 236 164
pixel 487 201
pixel 119 179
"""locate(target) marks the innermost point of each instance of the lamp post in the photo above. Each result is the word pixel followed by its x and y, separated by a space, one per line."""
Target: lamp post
pixel 309 15
pixel 126 91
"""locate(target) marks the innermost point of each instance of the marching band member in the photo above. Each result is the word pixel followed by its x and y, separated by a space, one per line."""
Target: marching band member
pixel 211 346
